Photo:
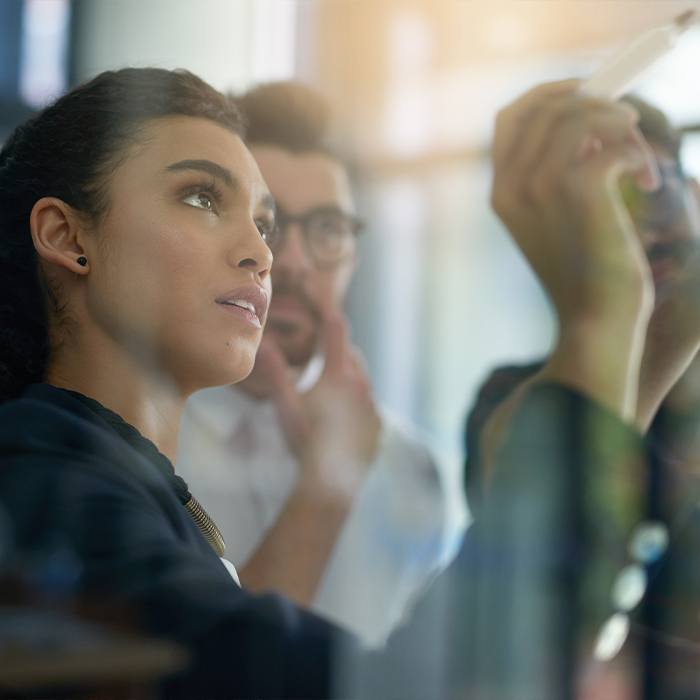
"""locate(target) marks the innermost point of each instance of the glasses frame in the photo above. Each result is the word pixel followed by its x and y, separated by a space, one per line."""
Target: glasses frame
pixel 283 221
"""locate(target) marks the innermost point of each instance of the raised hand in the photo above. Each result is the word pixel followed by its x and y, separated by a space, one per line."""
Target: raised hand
pixel 333 428
pixel 673 336
pixel 558 157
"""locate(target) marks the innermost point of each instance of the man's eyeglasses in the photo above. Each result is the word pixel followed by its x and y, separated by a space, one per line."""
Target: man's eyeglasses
pixel 329 234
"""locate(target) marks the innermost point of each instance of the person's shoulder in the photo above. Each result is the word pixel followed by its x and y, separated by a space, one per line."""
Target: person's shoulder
pixel 504 379
pixel 43 415
pixel 497 387
pixel 49 430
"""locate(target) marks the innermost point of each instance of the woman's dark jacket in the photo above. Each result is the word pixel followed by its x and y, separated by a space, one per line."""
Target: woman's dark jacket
pixel 508 617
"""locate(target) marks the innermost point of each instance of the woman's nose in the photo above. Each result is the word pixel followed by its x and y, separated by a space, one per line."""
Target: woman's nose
pixel 254 253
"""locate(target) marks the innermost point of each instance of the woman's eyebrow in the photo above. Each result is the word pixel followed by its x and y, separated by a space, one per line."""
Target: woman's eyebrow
pixel 209 167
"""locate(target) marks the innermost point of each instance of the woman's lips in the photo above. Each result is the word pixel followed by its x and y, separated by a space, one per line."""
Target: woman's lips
pixel 247 303
pixel 242 313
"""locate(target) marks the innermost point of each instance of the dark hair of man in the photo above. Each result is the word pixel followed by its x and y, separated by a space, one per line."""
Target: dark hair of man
pixel 655 126
pixel 68 151
pixel 286 114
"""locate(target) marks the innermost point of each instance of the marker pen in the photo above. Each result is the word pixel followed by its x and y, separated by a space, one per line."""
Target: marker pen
pixel 616 76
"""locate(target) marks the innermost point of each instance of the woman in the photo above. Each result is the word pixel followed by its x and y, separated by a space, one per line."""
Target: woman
pixel 134 271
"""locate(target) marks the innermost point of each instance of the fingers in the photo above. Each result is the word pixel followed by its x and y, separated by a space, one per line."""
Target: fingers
pixel 359 363
pixel 557 160
pixel 510 120
pixel 358 367
pixel 271 361
pixel 334 324
pixel 335 338
pixel 341 357
pixel 563 132
pixel 642 163
pixel 604 142
pixel 289 404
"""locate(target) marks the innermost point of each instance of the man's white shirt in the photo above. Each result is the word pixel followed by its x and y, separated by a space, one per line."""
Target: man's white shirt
pixel 233 454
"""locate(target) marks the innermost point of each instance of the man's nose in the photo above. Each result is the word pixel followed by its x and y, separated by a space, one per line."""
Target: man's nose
pixel 292 253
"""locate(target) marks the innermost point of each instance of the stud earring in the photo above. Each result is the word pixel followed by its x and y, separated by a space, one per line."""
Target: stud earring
pixel 82 260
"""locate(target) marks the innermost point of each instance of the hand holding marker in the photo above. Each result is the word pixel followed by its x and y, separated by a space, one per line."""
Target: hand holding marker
pixel 616 76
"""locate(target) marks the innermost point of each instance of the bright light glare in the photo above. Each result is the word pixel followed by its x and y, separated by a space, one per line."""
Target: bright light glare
pixel 690 155
pixel 408 120
pixel 673 84
pixel 611 638
pixel 629 587
pixel 402 221
pixel 43 61
pixel 274 44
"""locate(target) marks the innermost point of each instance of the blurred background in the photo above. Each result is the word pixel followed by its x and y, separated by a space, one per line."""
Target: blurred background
pixel 442 296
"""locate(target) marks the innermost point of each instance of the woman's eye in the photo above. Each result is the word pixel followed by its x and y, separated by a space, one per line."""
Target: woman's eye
pixel 268 231
pixel 201 200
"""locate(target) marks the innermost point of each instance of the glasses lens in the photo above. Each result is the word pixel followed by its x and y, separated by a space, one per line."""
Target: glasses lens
pixel 331 235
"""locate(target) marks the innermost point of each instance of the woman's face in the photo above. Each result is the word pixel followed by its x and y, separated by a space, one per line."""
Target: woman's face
pixel 181 254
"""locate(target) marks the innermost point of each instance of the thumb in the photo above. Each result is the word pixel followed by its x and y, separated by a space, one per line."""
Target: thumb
pixel 287 400
pixel 271 362
pixel 335 337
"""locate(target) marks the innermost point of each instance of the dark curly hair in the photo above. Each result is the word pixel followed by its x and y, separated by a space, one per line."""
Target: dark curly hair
pixel 68 152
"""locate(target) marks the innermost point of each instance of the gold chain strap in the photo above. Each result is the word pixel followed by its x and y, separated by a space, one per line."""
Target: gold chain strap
pixel 206 525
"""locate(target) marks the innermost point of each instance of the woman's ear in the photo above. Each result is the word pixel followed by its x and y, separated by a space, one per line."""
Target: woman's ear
pixel 57 233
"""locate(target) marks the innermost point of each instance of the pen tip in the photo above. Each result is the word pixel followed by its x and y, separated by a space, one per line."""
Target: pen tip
pixel 684 19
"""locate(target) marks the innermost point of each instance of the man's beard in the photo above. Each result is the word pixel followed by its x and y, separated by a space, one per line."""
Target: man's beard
pixel 298 342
